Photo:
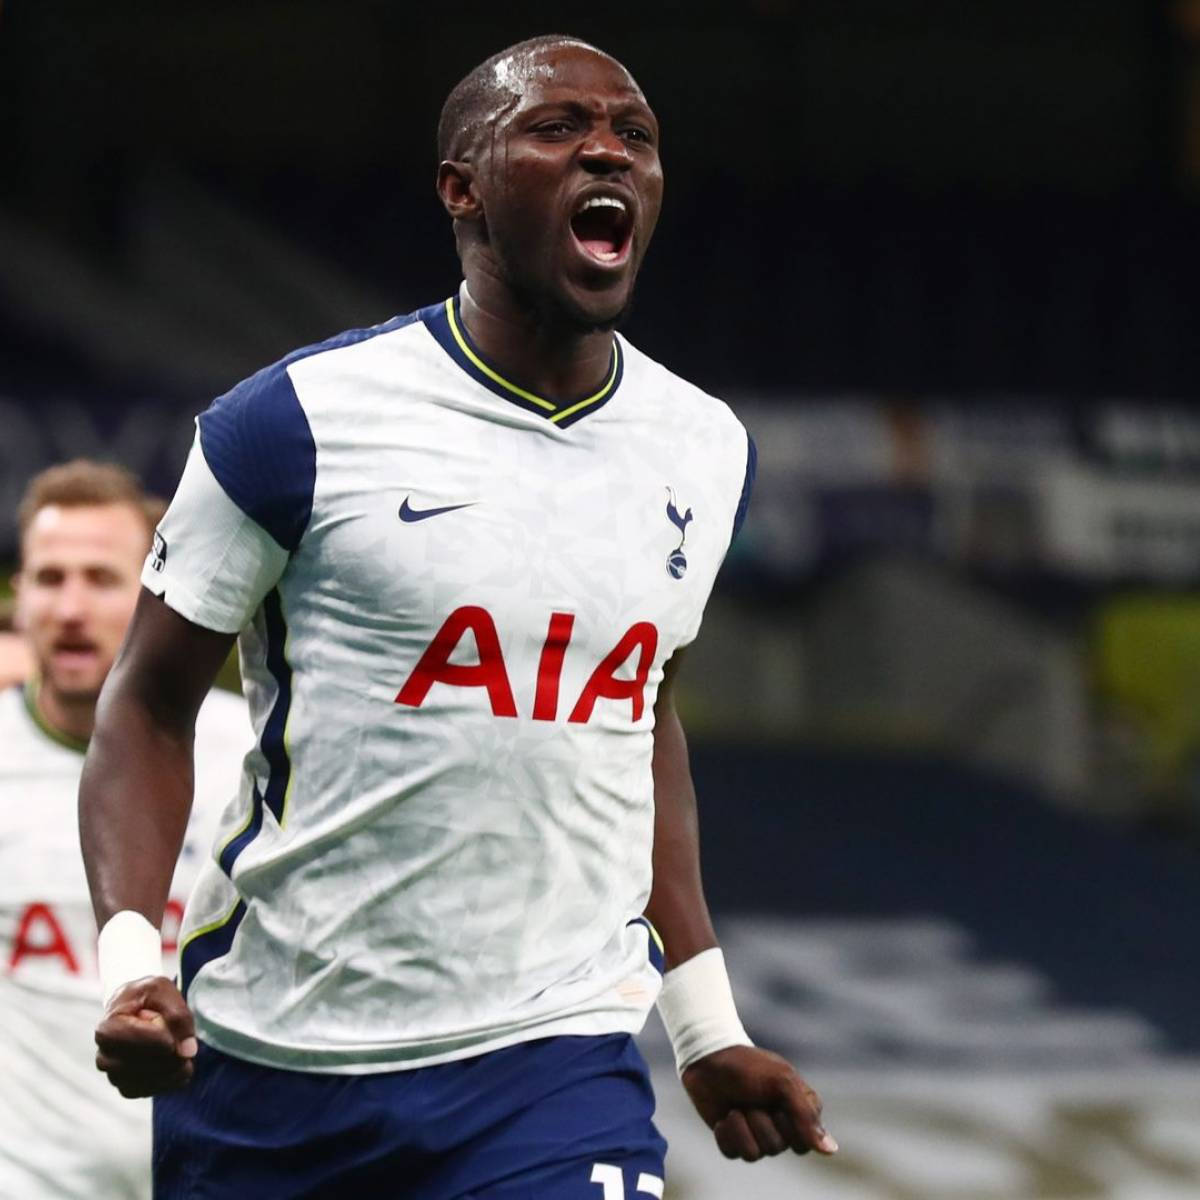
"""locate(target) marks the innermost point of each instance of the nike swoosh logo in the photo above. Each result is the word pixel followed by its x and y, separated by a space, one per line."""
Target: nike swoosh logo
pixel 408 513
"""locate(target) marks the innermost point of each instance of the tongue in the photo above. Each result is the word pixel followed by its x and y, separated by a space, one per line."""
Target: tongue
pixel 599 247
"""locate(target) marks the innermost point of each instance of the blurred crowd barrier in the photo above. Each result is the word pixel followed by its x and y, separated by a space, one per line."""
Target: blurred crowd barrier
pixel 1012 582
pixel 1094 494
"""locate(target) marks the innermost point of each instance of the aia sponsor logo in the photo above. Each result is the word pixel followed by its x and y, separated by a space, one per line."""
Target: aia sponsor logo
pixel 637 644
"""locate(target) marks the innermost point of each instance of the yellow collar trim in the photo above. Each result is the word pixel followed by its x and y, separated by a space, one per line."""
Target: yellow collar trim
pixel 608 383
pixel 480 365
pixel 496 377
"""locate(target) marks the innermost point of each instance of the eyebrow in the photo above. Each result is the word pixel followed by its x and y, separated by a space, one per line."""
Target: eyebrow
pixel 633 106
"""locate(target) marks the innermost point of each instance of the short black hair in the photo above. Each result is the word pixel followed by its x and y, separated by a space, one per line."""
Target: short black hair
pixel 469 97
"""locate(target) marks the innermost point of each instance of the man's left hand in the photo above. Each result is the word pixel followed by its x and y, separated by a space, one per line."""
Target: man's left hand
pixel 756 1104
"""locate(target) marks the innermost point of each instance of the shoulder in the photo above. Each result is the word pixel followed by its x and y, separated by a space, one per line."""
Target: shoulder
pixel 331 350
pixel 690 412
pixel 722 445
pixel 684 399
pixel 257 439
pixel 270 393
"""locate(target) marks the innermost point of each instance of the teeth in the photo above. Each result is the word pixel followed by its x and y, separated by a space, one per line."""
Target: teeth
pixel 602 202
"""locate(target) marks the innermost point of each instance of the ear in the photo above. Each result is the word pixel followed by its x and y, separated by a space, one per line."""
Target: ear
pixel 457 191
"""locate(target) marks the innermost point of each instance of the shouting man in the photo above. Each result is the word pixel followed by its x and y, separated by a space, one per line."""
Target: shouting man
pixel 463 551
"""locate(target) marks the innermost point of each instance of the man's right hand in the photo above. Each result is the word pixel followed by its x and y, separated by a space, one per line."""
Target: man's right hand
pixel 146 1040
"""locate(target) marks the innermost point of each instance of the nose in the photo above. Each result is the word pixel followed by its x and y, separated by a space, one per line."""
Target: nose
pixel 71 602
pixel 603 152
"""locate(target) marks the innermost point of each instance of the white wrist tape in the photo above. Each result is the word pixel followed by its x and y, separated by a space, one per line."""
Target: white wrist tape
pixel 696 1006
pixel 129 948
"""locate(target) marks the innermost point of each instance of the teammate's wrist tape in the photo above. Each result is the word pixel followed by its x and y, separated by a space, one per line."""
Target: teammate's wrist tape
pixel 129 948
pixel 696 1006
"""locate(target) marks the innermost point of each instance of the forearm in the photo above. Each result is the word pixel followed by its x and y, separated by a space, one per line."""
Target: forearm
pixel 136 790
pixel 134 799
pixel 696 1003
pixel 677 907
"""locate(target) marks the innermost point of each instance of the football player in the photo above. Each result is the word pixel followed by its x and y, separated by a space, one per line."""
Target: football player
pixel 84 530
pixel 463 551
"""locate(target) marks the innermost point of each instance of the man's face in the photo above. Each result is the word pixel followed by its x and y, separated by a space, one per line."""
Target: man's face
pixel 571 182
pixel 76 590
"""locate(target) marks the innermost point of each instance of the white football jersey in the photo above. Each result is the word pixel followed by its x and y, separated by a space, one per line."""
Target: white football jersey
pixel 455 600
pixel 64 1130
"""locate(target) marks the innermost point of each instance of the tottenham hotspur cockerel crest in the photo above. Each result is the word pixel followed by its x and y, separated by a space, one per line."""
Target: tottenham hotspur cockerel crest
pixel 677 560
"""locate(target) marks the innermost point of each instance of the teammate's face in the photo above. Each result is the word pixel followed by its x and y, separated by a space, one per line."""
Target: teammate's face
pixel 572 183
pixel 76 591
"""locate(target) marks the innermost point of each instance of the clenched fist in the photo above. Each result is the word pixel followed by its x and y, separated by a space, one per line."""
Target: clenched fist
pixel 146 1040
pixel 756 1104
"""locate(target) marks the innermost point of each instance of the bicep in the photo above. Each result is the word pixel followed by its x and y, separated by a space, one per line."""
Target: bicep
pixel 673 793
pixel 166 665
pixel 676 905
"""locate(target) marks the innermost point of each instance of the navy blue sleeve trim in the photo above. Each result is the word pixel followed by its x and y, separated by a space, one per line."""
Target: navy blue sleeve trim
pixel 257 441
pixel 747 486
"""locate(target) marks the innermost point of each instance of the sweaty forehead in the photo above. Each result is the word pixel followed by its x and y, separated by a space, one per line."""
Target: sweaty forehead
pixel 567 71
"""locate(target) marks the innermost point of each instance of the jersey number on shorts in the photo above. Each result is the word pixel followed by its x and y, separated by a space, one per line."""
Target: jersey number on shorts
pixel 612 1181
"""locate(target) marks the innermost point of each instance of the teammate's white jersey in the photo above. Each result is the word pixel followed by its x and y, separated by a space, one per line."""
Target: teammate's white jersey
pixel 455 601
pixel 65 1131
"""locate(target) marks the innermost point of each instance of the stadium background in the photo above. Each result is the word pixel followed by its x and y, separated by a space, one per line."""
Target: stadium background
pixel 942 258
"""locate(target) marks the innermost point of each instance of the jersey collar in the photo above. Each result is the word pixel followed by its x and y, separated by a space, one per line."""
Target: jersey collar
pixel 66 740
pixel 445 322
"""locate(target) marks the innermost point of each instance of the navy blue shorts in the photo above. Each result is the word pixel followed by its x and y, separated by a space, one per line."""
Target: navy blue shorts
pixel 566 1118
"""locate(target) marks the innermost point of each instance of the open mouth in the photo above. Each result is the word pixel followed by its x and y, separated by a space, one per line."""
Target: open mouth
pixel 74 652
pixel 603 227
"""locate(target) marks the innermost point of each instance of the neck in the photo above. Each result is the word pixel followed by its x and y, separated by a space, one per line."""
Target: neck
pixel 71 719
pixel 549 354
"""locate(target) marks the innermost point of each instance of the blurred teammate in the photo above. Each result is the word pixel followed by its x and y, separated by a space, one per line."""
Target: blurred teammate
pixel 463 551
pixel 84 530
